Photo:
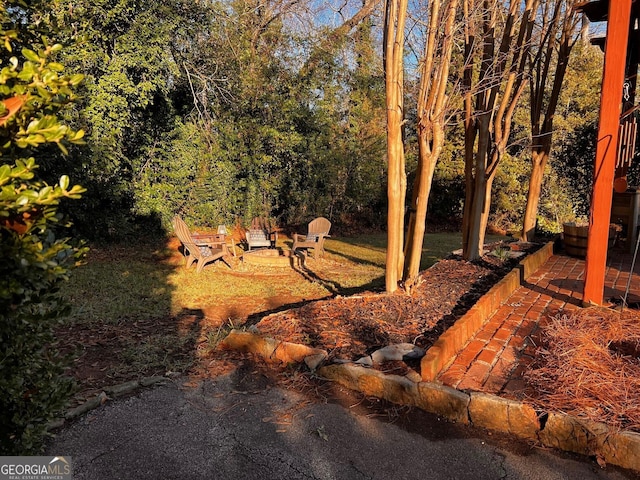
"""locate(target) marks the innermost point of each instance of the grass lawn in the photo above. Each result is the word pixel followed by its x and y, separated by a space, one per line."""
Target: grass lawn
pixel 144 303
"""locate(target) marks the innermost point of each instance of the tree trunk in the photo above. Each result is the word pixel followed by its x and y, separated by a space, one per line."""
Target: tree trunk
pixel 539 159
pixel 554 49
pixel 395 213
pixel 424 179
pixel 470 125
pixel 431 120
pixel 476 196
pixel 484 218
pixel 395 15
pixel 490 105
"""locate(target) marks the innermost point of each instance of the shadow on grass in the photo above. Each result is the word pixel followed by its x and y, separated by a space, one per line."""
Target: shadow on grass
pixel 334 287
pixel 353 259
pixel 122 324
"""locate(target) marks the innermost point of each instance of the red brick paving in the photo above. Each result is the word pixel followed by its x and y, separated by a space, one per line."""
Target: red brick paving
pixel 495 358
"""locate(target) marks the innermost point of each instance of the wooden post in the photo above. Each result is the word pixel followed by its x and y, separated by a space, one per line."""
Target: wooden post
pixel 615 55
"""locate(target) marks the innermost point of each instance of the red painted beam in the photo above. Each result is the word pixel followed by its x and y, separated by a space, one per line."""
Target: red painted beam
pixel 615 54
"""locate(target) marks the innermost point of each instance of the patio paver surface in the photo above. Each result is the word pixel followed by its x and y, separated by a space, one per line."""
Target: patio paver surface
pixel 495 358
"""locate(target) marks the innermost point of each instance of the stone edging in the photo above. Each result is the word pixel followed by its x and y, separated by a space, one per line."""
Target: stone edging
pixel 447 346
pixel 101 398
pixel 549 429
pixel 271 349
pixel 555 430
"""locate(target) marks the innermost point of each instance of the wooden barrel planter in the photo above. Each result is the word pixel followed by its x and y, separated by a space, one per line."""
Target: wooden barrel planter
pixel 575 238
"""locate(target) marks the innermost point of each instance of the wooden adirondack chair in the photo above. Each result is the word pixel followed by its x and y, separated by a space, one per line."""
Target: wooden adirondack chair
pixel 204 249
pixel 261 234
pixel 317 231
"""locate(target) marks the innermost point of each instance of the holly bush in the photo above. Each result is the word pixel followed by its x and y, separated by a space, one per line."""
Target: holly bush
pixel 34 258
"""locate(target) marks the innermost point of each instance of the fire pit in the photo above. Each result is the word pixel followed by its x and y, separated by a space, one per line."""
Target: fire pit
pixel 274 258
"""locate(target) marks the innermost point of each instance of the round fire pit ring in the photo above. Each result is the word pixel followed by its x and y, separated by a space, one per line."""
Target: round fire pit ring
pixel 273 257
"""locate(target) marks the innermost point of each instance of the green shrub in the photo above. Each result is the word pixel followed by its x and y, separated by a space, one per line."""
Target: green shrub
pixel 509 193
pixel 33 259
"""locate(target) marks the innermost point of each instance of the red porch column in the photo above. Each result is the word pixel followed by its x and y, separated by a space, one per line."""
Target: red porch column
pixel 615 55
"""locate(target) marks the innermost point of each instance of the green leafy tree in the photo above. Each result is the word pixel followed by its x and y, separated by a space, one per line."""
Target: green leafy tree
pixel 33 259
pixel 246 118
pixel 125 50
pixel 210 109
pixel 281 138
pixel 340 171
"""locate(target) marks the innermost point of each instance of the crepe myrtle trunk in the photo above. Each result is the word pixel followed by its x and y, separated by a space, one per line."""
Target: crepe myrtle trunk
pixel 539 159
pixel 432 106
pixel 555 48
pixel 395 17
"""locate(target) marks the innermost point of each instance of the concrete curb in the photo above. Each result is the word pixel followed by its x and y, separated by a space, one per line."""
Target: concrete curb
pixel 444 350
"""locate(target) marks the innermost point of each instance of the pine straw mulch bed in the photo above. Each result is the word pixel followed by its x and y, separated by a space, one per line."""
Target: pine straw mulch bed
pixel 351 327
pixel 588 366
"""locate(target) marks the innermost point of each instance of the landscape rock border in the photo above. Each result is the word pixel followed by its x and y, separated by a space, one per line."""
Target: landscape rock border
pixel 549 429
pixel 104 396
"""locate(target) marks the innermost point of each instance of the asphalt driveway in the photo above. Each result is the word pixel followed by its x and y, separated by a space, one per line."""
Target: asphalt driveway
pixel 242 426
